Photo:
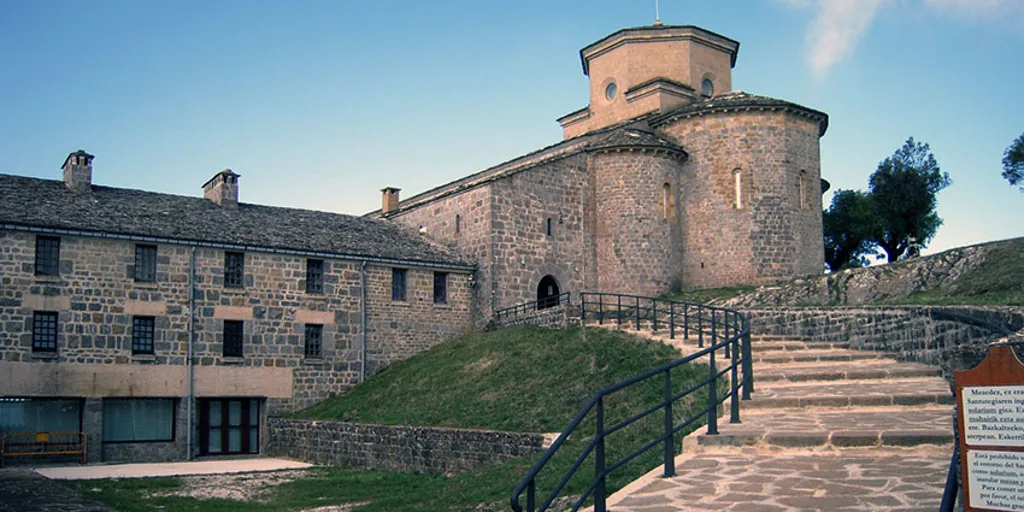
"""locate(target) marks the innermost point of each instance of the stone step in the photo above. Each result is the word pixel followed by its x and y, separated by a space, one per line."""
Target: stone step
pixel 860 427
pixel 816 355
pixel 911 391
pixel 787 345
pixel 829 371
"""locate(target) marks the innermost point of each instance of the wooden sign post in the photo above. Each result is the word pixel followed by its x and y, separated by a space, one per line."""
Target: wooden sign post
pixel 990 400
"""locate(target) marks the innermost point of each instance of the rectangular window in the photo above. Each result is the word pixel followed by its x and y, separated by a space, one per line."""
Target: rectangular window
pixel 440 287
pixel 40 415
pixel 128 420
pixel 44 331
pixel 233 338
pixel 145 263
pixel 234 269
pixel 314 276
pixel 314 340
pixel 47 255
pixel 398 280
pixel 142 334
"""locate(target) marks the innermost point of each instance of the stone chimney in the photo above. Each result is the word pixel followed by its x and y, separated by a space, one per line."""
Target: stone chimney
pixel 222 188
pixel 78 171
pixel 390 200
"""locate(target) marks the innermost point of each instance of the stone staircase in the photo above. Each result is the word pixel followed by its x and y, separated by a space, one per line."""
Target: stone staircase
pixel 828 428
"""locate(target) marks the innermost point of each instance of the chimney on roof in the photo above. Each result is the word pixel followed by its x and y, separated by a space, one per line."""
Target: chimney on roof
pixel 390 200
pixel 78 171
pixel 222 188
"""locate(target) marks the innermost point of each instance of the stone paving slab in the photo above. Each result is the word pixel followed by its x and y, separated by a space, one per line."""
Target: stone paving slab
pixel 854 426
pixel 762 346
pixel 850 480
pixel 911 391
pixel 812 355
pixel 860 370
pixel 22 490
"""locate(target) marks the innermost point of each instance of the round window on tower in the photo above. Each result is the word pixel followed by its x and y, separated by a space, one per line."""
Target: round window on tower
pixel 610 90
pixel 707 88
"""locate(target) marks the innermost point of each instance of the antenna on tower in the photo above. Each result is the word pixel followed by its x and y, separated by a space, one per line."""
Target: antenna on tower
pixel 657 13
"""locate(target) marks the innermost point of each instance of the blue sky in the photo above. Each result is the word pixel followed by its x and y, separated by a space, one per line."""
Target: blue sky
pixel 319 104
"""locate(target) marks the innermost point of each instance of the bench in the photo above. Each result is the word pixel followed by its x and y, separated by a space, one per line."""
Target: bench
pixel 28 444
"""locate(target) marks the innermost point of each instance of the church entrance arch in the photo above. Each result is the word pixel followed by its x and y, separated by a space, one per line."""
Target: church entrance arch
pixel 547 292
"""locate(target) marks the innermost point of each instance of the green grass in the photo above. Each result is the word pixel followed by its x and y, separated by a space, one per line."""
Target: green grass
pixel 997 281
pixel 710 294
pixel 526 379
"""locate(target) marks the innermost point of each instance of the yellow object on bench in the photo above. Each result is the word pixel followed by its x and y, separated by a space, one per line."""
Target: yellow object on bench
pixel 25 444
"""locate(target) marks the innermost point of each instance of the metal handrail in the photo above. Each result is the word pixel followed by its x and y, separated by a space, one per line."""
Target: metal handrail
pixel 548 302
pixel 729 332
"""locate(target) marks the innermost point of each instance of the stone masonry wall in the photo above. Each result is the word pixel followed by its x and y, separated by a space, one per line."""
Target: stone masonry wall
pixel 396 448
pixel 772 235
pixel 96 297
pixel 945 336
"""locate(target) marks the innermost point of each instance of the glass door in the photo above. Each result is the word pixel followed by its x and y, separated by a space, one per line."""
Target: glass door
pixel 229 426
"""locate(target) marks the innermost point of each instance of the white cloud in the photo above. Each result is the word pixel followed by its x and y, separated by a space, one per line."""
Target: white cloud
pixel 840 24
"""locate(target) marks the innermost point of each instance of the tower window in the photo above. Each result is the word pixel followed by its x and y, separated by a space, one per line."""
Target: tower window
pixel 802 189
pixel 547 226
pixel 668 203
pixel 610 91
pixel 707 87
pixel 458 223
pixel 737 177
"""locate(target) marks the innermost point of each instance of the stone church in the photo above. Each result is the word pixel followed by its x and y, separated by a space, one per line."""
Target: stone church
pixel 668 179
pixel 140 326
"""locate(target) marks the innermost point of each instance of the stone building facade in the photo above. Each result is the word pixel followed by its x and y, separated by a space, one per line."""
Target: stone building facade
pixel 669 179
pixel 103 289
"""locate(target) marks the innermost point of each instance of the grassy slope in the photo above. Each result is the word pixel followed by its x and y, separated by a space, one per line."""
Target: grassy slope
pixel 524 379
pixel 711 294
pixel 998 280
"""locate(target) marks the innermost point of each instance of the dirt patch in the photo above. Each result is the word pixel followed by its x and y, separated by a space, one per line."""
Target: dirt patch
pixel 235 486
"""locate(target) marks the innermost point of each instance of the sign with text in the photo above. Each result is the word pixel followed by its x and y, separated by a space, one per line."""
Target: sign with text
pixel 990 399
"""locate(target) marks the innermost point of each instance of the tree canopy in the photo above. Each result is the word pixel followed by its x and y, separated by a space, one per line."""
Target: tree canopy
pixel 849 224
pixel 903 190
pixel 1013 163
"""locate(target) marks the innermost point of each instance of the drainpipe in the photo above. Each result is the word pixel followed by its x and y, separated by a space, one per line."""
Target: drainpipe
pixel 362 314
pixel 191 340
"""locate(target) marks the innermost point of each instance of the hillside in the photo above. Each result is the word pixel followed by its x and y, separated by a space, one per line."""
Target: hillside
pixel 984 274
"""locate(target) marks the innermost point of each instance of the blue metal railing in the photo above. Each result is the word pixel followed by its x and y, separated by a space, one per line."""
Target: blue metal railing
pixel 721 330
pixel 530 308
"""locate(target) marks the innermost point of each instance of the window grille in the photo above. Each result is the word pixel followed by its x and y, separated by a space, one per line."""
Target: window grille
pixel 44 331
pixel 142 334
pixel 47 255
pixel 234 269
pixel 314 340
pixel 145 263
pixel 314 276
pixel 233 338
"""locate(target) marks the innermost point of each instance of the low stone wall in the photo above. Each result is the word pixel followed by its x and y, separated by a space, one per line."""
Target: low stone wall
pixel 557 317
pixel 952 337
pixel 395 447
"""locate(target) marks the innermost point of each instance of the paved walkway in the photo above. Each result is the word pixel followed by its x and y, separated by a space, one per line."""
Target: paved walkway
pixel 828 429
pixel 205 467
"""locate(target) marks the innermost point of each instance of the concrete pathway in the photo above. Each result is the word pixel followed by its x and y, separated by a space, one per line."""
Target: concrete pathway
pixel 828 428
pixel 204 467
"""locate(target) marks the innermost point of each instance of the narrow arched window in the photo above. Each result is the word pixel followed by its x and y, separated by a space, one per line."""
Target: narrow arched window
pixel 802 189
pixel 666 203
pixel 737 178
pixel 548 228
pixel 458 223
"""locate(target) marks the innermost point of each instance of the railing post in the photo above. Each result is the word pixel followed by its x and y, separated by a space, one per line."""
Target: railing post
pixel 670 452
pixel 600 310
pixel 599 490
pixel 712 393
pixel 619 312
pixel 686 321
pixel 672 320
pixel 531 496
pixel 725 322
pixel 654 315
pixel 734 389
pixel 700 327
pixel 637 308
pixel 748 367
pixel 583 308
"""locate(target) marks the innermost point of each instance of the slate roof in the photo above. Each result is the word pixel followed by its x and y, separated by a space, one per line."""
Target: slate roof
pixel 636 138
pixel 43 203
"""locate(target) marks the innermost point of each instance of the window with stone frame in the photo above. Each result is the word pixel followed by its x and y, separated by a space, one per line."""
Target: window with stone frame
pixel 547 226
pixel 399 280
pixel 143 328
pixel 44 331
pixel 47 255
pixel 440 287
pixel 233 338
pixel 801 189
pixel 234 269
pixel 314 276
pixel 314 341
pixel 145 263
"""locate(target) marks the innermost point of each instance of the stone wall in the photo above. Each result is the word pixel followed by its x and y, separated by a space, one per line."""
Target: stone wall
pixel 397 448
pixel 952 337
pixel 557 317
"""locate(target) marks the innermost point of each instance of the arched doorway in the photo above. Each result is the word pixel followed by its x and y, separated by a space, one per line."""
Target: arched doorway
pixel 547 293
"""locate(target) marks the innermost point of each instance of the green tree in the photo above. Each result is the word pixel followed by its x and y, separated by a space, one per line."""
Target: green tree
pixel 849 224
pixel 1013 163
pixel 903 190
